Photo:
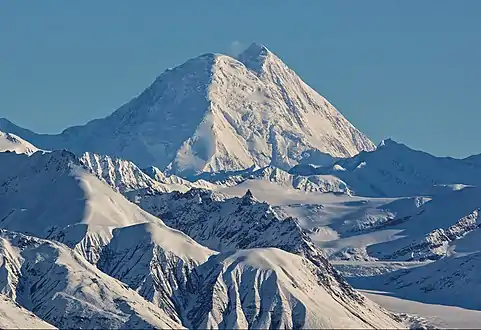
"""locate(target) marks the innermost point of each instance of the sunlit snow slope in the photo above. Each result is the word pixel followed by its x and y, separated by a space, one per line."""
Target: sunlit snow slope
pixel 13 143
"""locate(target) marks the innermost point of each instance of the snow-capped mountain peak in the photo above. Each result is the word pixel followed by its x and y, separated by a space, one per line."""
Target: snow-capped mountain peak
pixel 255 56
pixel 216 113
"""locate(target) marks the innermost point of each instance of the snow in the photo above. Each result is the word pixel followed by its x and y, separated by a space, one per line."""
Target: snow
pixel 90 202
pixel 352 229
pixel 155 261
pixel 451 281
pixel 121 174
pixel 13 143
pixel 13 316
pixel 227 224
pixel 436 228
pixel 312 183
pixel 442 317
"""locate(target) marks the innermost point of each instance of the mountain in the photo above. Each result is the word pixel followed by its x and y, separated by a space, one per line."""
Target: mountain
pixel 156 262
pixel 120 174
pixel 449 224
pixel 13 143
pixel 125 177
pixel 86 214
pixel 76 253
pixel 395 170
pixel 217 113
pixel 240 223
pixel 61 287
pixel 451 281
pixel 273 289
pixel 174 182
pixel 54 195
pixel 225 224
pixel 249 288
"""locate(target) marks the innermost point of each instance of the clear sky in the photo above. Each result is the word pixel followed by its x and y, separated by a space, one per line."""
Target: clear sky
pixel 404 69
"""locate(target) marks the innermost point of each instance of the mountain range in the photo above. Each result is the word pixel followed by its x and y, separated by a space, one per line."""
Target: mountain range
pixel 229 194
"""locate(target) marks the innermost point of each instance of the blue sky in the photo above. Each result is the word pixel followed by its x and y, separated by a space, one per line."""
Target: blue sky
pixel 404 69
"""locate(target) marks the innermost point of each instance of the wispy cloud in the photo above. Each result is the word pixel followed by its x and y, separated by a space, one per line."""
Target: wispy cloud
pixel 236 47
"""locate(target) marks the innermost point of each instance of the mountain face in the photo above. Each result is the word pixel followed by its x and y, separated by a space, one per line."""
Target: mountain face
pixel 266 288
pixel 122 175
pixel 273 289
pixel 395 170
pixel 156 262
pixel 54 195
pixel 61 287
pixel 217 113
pixel 226 224
pixel 87 215
pixel 449 281
pixel 125 177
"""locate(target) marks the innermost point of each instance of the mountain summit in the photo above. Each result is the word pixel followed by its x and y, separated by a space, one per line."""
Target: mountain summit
pixel 217 113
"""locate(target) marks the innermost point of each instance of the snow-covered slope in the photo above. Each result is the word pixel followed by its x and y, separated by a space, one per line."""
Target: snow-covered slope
pixel 270 288
pixel 174 182
pixel 53 196
pixel 61 287
pixel 125 177
pixel 14 316
pixel 254 288
pixel 451 281
pixel 394 170
pixel 216 113
pixel 13 143
pixel 448 224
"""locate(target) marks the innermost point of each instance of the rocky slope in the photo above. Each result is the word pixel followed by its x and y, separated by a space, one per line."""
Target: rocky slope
pixel 76 208
pixel 87 215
